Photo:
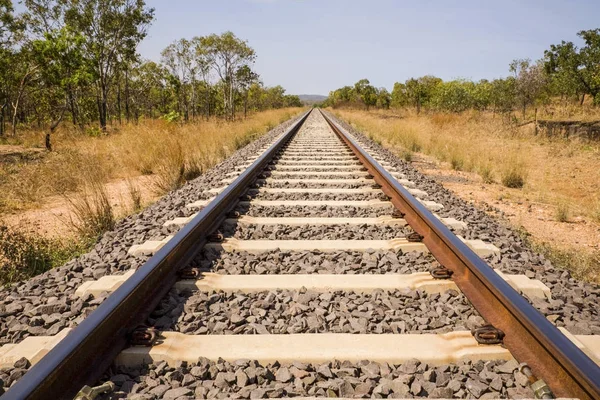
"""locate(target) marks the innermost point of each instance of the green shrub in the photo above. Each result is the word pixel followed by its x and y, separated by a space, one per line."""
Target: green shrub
pixel 26 254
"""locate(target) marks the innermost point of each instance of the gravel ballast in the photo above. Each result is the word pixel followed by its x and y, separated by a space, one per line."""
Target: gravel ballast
pixel 308 262
pixel 308 311
pixel 250 379
pixel 323 232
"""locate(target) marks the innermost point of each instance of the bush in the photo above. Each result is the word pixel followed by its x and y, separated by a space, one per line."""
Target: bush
pixel 25 254
pixel 513 177
pixel 486 174
pixel 92 212
pixel 562 212
pixel 457 163
pixel 407 155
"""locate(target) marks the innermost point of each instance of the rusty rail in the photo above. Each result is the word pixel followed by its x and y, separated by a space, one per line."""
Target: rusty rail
pixel 529 336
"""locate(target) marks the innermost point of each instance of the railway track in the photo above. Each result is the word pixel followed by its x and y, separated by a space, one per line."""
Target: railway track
pixel 316 269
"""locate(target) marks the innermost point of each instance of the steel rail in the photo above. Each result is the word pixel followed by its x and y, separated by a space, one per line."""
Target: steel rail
pixel 90 348
pixel 530 337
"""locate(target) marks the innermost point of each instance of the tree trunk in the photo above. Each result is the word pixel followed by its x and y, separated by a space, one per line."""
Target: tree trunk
pixel 2 119
pixel 53 127
pixel 582 99
pixel 524 109
pixel 103 103
pixel 16 104
pixel 119 101
pixel 72 106
pixel 127 116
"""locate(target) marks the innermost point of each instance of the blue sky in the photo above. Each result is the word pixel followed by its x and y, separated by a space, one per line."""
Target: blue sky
pixel 314 46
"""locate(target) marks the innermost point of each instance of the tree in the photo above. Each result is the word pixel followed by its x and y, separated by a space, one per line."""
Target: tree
pixel 226 54
pixel 399 96
pixel 10 30
pixel 61 67
pixel 573 70
pixel 384 98
pixel 454 96
pixel 245 77
pixel 112 29
pixel 365 93
pixel 530 82
pixel 420 90
pixel 178 57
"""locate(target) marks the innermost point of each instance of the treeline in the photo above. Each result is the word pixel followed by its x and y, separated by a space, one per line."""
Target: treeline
pixel 77 61
pixel 566 72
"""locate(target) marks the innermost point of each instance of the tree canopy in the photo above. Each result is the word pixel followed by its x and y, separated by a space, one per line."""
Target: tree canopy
pixel 77 61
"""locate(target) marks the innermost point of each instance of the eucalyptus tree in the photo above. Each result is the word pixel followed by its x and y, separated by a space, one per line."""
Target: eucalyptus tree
pixel 384 98
pixel 179 59
pixel 11 28
pixel 60 67
pixel 111 29
pixel 226 53
pixel 245 78
pixel 420 90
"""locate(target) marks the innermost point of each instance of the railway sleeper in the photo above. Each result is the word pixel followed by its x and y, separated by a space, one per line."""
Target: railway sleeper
pixel 174 347
pixel 360 283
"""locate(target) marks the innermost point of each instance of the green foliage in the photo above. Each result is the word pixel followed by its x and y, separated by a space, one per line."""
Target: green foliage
pixel 172 116
pixel 455 96
pixel 93 131
pixel 26 254
pixel 575 71
pixel 77 60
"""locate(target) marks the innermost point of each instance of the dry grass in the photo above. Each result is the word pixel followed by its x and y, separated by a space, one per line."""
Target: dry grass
pixel 551 171
pixel 25 254
pixel 172 152
pixel 82 165
pixel 583 265
pixel 92 214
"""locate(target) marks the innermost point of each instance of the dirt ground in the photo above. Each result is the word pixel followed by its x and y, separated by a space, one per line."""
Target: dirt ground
pixel 536 218
pixel 51 218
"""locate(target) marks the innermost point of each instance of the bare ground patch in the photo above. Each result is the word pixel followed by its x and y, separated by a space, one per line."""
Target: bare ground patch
pixel 51 218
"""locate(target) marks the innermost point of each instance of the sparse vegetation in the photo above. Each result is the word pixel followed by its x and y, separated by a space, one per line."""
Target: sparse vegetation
pixel 513 176
pixel 92 213
pixel 26 254
pixel 562 212
pixel 582 265
pixel 486 173
pixel 170 152
pixel 482 143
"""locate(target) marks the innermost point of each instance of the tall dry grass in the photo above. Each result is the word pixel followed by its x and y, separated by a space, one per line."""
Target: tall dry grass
pixel 552 171
pixel 81 166
pixel 172 152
